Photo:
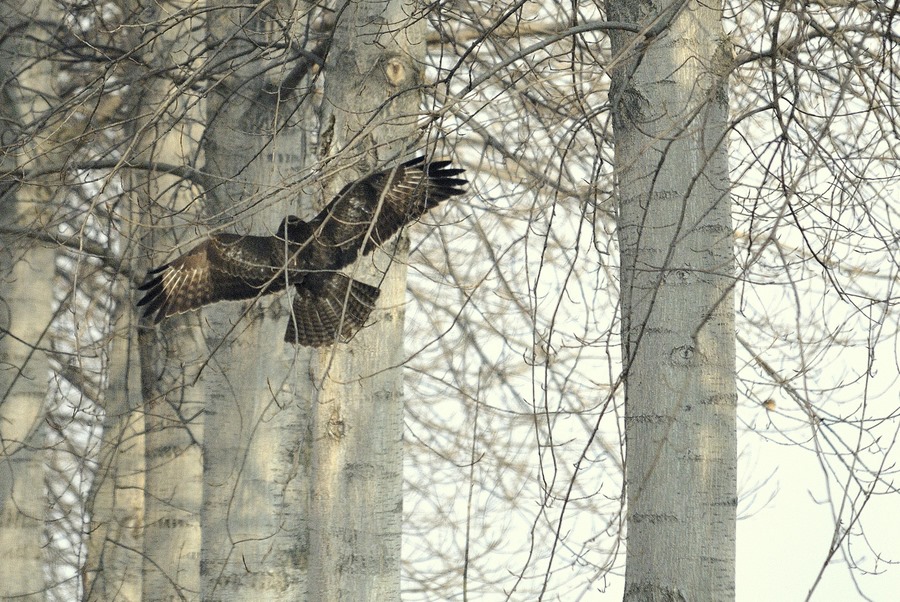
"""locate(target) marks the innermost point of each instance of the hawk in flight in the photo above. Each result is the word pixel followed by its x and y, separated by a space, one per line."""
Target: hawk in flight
pixel 328 305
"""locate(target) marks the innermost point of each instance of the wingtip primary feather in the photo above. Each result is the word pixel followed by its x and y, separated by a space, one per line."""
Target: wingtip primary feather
pixel 440 169
pixel 442 176
pixel 414 162
pixel 154 298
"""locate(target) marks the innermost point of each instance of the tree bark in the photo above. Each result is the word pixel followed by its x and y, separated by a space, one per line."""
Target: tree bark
pixel 173 353
pixel 173 459
pixel 669 100
pixel 370 107
pixel 112 569
pixel 26 286
pixel 255 481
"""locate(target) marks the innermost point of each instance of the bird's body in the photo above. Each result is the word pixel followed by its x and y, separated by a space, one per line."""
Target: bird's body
pixel 328 306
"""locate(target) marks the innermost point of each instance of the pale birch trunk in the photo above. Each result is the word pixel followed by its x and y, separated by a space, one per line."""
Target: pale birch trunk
pixel 370 111
pixel 112 568
pixel 173 407
pixel 173 353
pixel 26 293
pixel 670 106
pixel 255 482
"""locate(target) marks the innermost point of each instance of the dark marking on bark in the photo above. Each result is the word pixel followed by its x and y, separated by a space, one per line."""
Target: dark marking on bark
pixel 684 355
pixel 653 519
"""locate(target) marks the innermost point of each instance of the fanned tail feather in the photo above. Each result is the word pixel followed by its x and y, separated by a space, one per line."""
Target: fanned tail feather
pixel 329 308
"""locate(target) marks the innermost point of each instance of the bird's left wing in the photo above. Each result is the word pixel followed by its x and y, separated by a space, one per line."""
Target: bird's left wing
pixel 369 211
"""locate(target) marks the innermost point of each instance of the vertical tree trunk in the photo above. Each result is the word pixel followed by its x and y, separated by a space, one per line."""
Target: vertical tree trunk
pixel 370 109
pixel 255 482
pixel 173 458
pixel 112 568
pixel 669 99
pixel 26 288
pixel 173 353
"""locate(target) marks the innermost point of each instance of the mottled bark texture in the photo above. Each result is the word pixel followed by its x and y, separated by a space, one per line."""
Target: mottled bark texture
pixel 670 112
pixel 370 110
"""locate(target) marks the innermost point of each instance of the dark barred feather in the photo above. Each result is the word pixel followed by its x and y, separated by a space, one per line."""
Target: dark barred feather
pixel 328 306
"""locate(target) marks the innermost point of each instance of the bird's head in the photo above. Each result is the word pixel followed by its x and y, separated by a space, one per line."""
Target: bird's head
pixel 292 228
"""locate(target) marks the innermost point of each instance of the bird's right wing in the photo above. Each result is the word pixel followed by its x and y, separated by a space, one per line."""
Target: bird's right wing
pixel 224 267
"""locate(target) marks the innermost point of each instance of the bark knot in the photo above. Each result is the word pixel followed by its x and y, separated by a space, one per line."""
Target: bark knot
pixel 395 71
pixel 684 355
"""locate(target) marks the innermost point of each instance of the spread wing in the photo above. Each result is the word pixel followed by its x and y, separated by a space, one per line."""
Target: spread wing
pixel 369 211
pixel 329 307
pixel 225 266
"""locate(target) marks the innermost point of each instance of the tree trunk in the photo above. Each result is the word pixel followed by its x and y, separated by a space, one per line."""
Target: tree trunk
pixel 173 353
pixel 370 110
pixel 173 459
pixel 669 100
pixel 112 568
pixel 255 481
pixel 26 287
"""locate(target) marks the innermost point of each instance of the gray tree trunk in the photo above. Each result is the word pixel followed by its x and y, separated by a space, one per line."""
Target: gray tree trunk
pixel 173 353
pixel 173 458
pixel 124 503
pixel 112 568
pixel 26 293
pixel 256 465
pixel 370 110
pixel 670 107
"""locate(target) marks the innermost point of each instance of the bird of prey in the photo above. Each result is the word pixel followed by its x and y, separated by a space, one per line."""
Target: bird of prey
pixel 328 305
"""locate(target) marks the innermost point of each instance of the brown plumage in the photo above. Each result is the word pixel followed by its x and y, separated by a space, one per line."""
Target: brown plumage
pixel 328 306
